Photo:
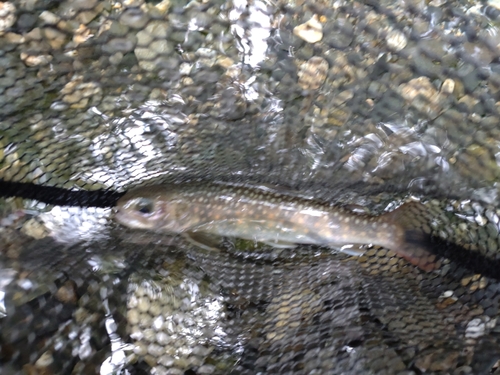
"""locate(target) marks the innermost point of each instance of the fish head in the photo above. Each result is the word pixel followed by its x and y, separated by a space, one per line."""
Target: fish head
pixel 149 209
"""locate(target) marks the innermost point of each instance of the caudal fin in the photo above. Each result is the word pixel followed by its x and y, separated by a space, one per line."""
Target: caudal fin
pixel 416 249
pixel 414 244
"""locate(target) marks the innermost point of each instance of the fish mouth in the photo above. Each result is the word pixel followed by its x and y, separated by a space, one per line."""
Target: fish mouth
pixel 128 220
pixel 119 217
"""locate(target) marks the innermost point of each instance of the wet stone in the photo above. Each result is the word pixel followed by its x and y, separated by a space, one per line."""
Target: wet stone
pixel 396 40
pixel 133 3
pixel 166 361
pixel 134 18
pixel 310 31
pixel 162 338
pixel 340 33
pixel 312 74
pixel 49 18
pixel 26 21
pixel 84 4
pixel 155 350
pixel 7 15
pixel 140 349
pixel 123 45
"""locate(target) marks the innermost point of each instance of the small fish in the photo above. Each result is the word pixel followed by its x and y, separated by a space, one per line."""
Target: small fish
pixel 269 216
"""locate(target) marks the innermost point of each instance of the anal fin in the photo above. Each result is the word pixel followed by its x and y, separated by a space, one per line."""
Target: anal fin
pixel 355 250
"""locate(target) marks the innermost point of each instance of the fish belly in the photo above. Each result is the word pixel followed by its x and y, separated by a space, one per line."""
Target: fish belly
pixel 260 231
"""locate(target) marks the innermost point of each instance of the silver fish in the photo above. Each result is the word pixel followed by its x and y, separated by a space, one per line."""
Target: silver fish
pixel 265 215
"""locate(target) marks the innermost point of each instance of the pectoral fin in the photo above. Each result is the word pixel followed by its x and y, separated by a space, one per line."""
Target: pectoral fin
pixel 280 244
pixel 203 240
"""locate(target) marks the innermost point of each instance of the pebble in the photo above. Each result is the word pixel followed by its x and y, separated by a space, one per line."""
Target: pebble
pixel 421 94
pixel 49 18
pixel 35 60
pixel 11 219
pixel 140 348
pixel 133 317
pixel 166 361
pixel 144 38
pixel 155 350
pixel 86 17
pixel 59 106
pixel 132 3
pixel 175 371
pixel 134 18
pixel 162 338
pixel 77 89
pixel 145 54
pixel 340 33
pixel 26 21
pixel 310 31
pixel 448 86
pixel 161 47
pixel 163 6
pixel 7 15
pixel 35 34
pixel 56 38
pixel 340 69
pixel 122 45
pixel 45 360
pixel 157 29
pixel 84 4
pixel 145 320
pixel 67 293
pixel 206 369
pixel 478 327
pixel 82 34
pixel 396 40
pixel 494 3
pixel 116 58
pixel 152 45
pixel 312 73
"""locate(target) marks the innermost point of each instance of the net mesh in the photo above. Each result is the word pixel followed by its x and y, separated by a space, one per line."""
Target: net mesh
pixel 352 102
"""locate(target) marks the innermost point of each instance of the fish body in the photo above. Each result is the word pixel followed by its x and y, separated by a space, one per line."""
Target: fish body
pixel 265 215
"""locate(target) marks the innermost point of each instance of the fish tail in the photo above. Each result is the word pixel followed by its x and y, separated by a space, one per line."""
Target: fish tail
pixel 413 244
pixel 415 248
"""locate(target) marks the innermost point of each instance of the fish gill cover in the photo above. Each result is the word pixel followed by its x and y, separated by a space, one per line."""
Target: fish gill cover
pixel 355 103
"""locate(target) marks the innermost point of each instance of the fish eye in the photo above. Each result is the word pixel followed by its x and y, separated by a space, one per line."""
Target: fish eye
pixel 145 206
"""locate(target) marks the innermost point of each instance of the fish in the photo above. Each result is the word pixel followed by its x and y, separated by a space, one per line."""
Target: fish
pixel 267 215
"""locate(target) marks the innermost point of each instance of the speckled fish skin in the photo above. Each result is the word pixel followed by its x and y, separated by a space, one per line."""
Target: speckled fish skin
pixel 266 216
